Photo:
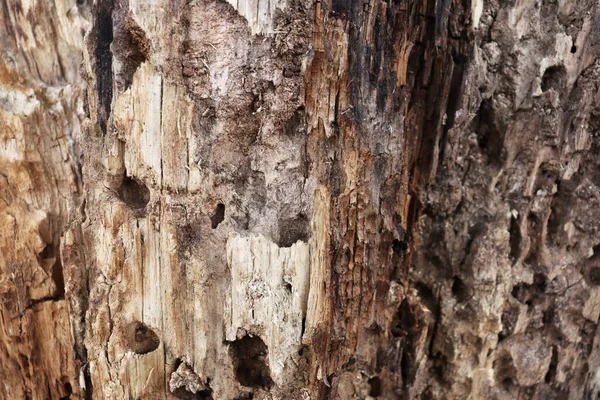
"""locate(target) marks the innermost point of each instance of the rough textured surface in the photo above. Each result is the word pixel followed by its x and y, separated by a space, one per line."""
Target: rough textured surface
pixel 512 246
pixel 306 200
pixel 198 223
pixel 40 110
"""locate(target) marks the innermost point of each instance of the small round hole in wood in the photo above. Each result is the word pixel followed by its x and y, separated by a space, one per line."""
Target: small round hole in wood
pixel 140 338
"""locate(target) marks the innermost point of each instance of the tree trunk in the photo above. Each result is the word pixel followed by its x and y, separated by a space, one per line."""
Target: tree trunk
pixel 305 200
pixel 40 111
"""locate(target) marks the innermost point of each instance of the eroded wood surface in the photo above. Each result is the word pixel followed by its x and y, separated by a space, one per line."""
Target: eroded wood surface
pixel 41 105
pixel 294 199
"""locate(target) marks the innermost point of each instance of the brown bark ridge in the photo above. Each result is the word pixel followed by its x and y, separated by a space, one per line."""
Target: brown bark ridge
pixel 301 199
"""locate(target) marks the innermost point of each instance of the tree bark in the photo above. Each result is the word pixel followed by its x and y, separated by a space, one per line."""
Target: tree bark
pixel 40 112
pixel 297 199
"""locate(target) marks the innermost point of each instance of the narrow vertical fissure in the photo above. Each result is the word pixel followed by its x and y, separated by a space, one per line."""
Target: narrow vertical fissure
pixel 104 38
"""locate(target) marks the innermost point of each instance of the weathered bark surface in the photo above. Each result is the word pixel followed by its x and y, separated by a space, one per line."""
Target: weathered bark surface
pixel 508 256
pixel 40 109
pixel 296 199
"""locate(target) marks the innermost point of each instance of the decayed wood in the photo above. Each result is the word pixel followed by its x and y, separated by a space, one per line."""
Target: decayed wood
pixel 297 199
pixel 40 109
pixel 197 224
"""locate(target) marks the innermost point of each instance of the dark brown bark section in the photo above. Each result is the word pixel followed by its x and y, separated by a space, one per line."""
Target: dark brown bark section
pixel 103 28
pixel 473 209
pixel 395 124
